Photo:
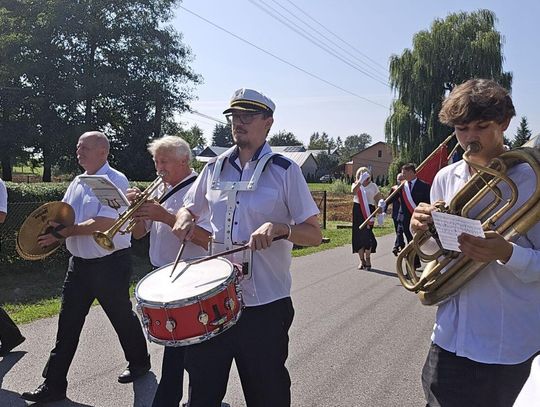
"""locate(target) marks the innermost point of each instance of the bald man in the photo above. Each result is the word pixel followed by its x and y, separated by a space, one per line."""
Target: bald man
pixel 93 273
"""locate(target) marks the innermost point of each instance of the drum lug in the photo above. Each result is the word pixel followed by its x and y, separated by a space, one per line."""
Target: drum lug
pixel 203 318
pixel 229 304
pixel 170 325
pixel 220 321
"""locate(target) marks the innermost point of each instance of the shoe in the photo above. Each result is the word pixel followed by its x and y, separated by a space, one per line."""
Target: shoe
pixel 5 349
pixel 361 267
pixel 133 373
pixel 395 251
pixel 44 394
pixel 368 266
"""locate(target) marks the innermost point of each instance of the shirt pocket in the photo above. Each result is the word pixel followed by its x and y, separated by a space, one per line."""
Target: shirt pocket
pixel 263 200
pixel 91 206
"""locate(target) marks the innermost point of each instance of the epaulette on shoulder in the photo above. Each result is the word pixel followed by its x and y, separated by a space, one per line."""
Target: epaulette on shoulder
pixel 212 160
pixel 281 161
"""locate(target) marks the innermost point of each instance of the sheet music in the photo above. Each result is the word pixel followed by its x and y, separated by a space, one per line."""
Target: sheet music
pixel 107 193
pixel 449 227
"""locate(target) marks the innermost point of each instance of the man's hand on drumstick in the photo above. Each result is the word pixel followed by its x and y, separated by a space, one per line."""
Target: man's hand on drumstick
pixel 184 227
pixel 263 236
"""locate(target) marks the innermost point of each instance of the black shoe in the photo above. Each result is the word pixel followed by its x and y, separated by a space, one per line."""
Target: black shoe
pixel 395 250
pixel 6 348
pixel 133 373
pixel 44 394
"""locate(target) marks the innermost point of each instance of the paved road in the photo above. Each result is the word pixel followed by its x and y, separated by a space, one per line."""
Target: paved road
pixel 358 339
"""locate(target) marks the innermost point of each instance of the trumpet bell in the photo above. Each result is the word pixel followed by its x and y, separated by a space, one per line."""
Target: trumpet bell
pixel 104 240
pixel 37 224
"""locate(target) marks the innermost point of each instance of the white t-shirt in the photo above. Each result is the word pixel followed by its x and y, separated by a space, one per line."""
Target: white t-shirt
pixel 86 206
pixel 495 317
pixel 371 190
pixel 3 197
pixel 282 196
pixel 164 244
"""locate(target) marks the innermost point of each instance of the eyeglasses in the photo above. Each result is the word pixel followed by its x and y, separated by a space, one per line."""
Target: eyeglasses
pixel 244 118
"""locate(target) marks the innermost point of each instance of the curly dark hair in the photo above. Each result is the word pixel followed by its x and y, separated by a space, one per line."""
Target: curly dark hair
pixel 477 99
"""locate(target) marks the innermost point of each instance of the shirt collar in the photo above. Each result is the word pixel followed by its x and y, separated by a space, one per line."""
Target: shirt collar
pixel 103 170
pixel 261 151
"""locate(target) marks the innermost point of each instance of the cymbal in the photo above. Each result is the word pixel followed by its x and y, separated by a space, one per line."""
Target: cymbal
pixel 37 223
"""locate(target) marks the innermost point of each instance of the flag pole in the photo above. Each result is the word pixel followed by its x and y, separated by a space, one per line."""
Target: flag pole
pixel 396 191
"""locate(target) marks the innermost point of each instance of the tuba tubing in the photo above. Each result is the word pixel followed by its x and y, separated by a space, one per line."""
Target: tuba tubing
pixel 448 271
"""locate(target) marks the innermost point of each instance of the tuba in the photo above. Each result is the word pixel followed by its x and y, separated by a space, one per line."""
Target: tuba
pixel 447 271
pixel 105 239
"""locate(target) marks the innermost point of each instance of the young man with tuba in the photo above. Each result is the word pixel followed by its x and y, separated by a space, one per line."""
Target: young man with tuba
pixel 486 335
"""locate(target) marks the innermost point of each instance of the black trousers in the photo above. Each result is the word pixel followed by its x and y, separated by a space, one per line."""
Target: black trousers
pixel 9 333
pixel 106 279
pixel 170 389
pixel 259 344
pixel 453 381
pixel 399 243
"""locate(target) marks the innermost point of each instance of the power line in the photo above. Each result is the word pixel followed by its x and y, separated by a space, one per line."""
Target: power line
pixel 195 112
pixel 375 74
pixel 281 59
pixel 335 35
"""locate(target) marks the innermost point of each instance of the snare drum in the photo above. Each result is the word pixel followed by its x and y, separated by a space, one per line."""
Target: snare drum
pixel 202 302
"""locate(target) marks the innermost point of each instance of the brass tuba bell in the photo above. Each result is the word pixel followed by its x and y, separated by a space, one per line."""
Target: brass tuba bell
pixel 448 271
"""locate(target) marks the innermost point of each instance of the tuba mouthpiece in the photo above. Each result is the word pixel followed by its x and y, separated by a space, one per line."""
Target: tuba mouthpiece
pixel 474 147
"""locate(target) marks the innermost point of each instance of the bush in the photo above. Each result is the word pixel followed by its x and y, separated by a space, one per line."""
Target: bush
pixel 339 187
pixel 36 192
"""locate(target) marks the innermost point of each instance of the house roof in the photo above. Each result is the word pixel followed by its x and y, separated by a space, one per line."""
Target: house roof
pixel 299 157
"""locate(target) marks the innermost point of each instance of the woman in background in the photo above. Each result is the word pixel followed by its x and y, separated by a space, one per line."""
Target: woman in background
pixel 366 195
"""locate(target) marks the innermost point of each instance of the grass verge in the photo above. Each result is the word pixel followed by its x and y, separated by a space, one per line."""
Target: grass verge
pixel 43 300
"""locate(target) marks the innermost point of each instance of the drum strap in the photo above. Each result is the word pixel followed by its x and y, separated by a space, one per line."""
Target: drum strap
pixel 177 188
pixel 232 188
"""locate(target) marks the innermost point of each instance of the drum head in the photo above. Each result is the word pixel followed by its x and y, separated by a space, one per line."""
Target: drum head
pixel 160 287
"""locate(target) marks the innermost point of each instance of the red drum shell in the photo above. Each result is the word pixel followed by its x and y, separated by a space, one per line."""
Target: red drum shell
pixel 203 302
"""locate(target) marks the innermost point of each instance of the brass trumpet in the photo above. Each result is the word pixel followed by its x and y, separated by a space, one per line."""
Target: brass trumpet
pixel 448 271
pixel 105 239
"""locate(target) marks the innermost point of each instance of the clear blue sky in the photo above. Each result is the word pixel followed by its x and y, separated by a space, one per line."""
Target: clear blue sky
pixel 377 29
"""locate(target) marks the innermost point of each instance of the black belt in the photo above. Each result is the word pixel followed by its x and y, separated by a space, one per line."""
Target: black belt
pixel 118 253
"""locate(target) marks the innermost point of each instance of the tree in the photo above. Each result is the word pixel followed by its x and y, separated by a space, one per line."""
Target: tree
pixel 460 47
pixel 321 142
pixel 96 64
pixel 193 136
pixel 326 163
pixel 222 136
pixel 284 138
pixel 523 133
pixel 353 144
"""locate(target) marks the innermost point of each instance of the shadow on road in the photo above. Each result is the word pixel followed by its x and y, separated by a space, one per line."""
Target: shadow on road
pixel 10 398
pixel 144 389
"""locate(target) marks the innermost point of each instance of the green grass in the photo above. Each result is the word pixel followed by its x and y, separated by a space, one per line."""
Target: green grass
pixel 42 289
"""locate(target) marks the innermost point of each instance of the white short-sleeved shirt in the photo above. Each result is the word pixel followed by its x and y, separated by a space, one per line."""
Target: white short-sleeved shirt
pixel 3 197
pixel 164 244
pixel 282 196
pixel 86 206
pixel 371 190
pixel 495 317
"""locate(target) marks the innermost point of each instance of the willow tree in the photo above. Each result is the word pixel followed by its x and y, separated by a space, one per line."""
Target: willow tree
pixel 462 46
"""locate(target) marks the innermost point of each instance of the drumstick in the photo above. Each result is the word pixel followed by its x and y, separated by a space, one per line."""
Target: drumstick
pixel 225 253
pixel 178 257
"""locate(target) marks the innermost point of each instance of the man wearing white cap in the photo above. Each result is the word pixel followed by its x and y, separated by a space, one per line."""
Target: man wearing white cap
pixel 252 196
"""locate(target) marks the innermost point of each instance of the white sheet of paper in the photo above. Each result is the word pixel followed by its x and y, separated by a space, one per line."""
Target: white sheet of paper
pixel 449 227
pixel 107 193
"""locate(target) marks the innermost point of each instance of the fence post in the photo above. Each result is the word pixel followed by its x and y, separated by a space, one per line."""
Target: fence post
pixel 324 209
